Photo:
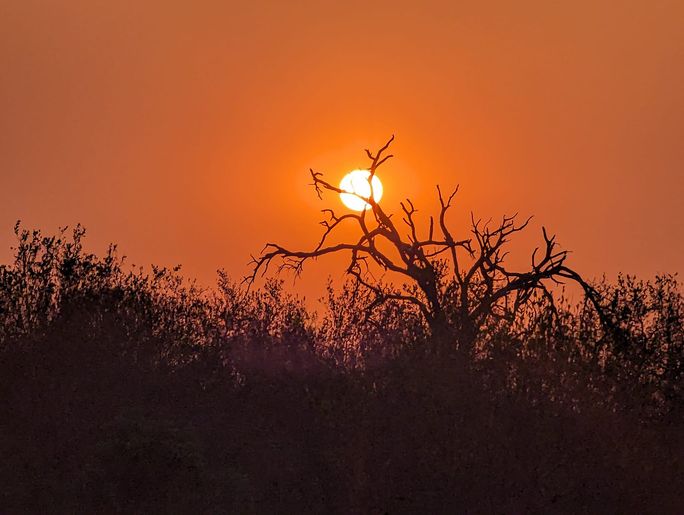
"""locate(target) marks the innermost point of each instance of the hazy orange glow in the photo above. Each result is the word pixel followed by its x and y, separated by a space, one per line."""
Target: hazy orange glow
pixel 357 184
pixel 184 131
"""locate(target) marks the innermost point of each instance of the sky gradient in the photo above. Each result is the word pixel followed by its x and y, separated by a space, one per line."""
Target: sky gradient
pixel 184 131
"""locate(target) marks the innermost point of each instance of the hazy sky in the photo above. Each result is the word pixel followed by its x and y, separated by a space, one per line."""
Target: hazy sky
pixel 184 130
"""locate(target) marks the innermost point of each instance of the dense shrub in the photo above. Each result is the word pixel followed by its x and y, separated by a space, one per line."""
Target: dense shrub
pixel 125 391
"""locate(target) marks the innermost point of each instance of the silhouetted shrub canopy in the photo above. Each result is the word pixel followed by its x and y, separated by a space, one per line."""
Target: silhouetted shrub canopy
pixel 127 390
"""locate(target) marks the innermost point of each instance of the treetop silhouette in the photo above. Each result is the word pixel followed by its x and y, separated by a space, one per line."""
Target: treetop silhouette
pixel 457 283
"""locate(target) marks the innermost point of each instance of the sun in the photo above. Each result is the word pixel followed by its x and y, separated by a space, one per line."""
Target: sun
pixel 356 181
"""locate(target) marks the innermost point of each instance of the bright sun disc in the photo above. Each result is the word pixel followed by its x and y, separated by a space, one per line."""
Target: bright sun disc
pixel 356 181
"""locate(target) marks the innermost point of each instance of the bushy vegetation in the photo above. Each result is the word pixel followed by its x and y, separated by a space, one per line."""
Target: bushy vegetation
pixel 128 391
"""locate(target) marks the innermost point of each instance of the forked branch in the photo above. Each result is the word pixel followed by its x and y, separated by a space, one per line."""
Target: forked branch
pixel 455 297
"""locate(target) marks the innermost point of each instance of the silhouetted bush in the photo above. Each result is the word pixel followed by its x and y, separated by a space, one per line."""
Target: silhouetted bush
pixel 130 391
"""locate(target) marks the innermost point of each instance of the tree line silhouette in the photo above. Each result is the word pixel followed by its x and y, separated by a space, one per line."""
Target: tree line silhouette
pixel 128 390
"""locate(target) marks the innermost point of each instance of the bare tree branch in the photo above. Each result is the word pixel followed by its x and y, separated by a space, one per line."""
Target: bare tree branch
pixel 455 299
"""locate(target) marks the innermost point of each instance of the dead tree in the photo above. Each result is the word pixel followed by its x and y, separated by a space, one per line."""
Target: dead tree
pixel 458 284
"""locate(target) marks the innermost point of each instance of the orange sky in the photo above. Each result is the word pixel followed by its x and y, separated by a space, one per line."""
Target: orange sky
pixel 184 131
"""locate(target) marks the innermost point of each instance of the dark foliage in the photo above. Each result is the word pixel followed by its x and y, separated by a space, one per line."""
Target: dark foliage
pixel 130 392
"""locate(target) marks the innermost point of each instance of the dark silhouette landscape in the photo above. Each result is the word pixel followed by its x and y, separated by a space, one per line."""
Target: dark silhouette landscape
pixel 131 391
pixel 484 315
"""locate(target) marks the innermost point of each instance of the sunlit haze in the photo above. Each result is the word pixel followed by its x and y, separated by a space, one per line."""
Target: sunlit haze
pixel 185 132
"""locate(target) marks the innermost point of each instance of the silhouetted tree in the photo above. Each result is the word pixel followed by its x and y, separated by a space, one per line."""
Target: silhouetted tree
pixel 458 295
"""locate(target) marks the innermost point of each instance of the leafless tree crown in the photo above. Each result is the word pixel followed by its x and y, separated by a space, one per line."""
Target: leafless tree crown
pixel 456 283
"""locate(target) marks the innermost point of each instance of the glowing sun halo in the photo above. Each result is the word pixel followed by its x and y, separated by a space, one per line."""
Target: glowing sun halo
pixel 356 181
